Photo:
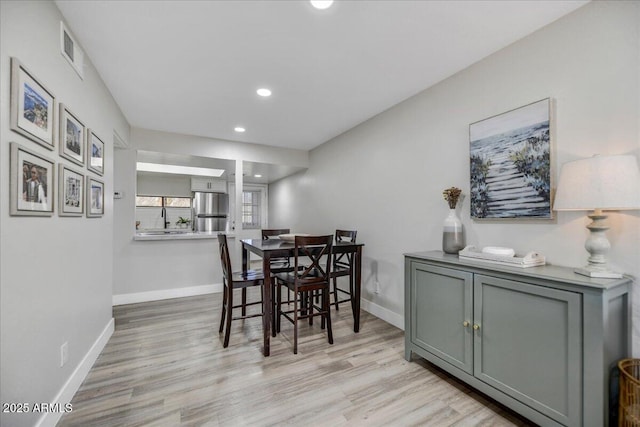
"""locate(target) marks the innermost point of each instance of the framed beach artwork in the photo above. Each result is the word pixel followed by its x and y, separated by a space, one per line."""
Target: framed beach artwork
pixel 32 106
pixel 71 192
pixel 95 153
pixel 95 197
pixel 31 183
pixel 510 159
pixel 72 136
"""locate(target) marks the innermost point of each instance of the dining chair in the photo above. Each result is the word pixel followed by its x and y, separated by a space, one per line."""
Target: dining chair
pixel 305 282
pixel 231 281
pixel 342 265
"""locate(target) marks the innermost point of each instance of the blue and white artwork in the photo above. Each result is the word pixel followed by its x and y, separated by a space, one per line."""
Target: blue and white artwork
pixel 31 107
pixel 36 108
pixel 511 164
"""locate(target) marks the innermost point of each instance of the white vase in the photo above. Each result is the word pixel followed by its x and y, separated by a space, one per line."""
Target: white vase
pixel 453 233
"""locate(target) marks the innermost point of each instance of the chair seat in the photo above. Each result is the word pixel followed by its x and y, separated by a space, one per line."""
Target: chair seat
pixel 290 276
pixel 247 276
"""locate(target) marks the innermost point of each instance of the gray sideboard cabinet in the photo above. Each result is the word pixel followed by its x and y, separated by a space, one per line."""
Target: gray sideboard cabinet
pixel 540 340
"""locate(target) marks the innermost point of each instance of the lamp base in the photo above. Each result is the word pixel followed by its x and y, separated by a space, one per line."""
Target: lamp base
pixel 598 274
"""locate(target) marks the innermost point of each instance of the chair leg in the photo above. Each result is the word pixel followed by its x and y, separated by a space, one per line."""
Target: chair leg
pixel 224 307
pixel 310 305
pixel 244 301
pixel 327 312
pixel 335 292
pixel 227 331
pixel 278 311
pixel 295 322
pixel 276 301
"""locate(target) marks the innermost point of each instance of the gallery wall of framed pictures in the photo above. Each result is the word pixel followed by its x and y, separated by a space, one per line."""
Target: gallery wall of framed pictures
pixel 37 115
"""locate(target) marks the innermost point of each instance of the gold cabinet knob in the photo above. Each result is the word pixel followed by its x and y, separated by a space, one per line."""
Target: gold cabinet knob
pixel 465 323
pixel 476 327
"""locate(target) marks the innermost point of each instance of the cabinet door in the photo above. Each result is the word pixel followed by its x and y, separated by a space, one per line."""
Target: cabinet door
pixel 528 345
pixel 441 302
pixel 208 184
pixel 199 184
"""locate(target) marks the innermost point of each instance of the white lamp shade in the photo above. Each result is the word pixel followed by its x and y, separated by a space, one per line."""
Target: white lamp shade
pixel 599 182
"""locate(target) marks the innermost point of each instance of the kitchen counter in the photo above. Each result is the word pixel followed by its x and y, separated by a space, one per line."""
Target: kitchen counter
pixel 177 234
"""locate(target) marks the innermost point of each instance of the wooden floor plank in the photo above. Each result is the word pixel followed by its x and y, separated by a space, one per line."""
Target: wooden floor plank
pixel 165 366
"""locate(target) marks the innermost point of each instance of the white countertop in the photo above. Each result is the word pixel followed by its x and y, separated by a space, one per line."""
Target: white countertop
pixel 176 234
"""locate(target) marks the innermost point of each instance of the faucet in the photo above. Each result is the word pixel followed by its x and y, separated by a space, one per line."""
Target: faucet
pixel 163 214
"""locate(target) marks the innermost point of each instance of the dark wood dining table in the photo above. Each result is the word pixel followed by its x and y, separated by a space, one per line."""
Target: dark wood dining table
pixel 280 248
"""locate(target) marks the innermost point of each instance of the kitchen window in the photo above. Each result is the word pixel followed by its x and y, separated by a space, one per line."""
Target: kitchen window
pixel 163 201
pixel 157 212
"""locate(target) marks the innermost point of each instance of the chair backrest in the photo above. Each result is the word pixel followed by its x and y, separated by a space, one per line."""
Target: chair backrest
pixel 272 232
pixel 224 258
pixel 344 259
pixel 317 251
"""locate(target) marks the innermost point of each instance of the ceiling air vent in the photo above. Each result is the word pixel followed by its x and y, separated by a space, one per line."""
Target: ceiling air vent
pixel 71 50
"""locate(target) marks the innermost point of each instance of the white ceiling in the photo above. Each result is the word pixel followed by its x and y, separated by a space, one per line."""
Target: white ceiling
pixel 193 67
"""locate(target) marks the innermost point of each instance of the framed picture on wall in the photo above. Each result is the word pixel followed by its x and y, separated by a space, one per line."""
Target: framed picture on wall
pixel 71 192
pixel 510 159
pixel 95 153
pixel 95 197
pixel 32 106
pixel 72 136
pixel 31 183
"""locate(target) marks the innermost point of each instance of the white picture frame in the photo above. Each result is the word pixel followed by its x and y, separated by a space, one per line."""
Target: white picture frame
pixel 72 136
pixel 33 109
pixel 95 197
pixel 95 153
pixel 32 183
pixel 71 192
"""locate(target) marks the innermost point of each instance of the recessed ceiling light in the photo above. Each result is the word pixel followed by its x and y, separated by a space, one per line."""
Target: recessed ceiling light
pixel 239 129
pixel 263 92
pixel 257 176
pixel 321 4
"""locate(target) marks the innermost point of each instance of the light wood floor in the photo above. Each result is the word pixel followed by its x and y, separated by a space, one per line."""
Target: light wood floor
pixel 165 366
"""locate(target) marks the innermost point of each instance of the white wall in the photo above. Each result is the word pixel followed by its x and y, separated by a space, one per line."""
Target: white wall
pixel 146 270
pixel 56 272
pixel 385 177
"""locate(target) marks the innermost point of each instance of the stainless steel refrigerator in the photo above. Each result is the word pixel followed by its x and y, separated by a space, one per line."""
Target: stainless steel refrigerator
pixel 210 211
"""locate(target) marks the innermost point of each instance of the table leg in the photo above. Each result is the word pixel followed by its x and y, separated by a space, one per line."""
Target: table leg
pixel 358 288
pixel 267 302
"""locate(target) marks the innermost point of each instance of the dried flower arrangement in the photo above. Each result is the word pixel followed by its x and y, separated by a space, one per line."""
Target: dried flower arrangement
pixel 451 195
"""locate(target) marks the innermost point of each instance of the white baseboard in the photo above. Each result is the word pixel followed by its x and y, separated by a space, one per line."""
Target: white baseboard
pixel 50 419
pixel 166 294
pixel 385 314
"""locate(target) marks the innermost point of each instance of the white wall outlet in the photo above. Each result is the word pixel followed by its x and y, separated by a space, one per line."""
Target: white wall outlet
pixel 64 353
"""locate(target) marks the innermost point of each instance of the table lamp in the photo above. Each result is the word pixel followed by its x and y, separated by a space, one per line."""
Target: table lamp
pixel 599 183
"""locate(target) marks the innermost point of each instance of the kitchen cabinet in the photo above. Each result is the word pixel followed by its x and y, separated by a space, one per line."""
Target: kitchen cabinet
pixel 540 340
pixel 206 184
